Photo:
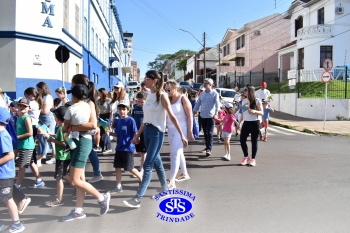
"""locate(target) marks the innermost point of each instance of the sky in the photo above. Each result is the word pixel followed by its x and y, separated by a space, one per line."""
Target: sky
pixel 155 24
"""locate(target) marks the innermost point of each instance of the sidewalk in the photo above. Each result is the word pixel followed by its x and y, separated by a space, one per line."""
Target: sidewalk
pixel 310 125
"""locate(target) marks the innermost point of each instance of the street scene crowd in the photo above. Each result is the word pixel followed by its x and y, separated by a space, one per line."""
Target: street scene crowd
pixel 78 129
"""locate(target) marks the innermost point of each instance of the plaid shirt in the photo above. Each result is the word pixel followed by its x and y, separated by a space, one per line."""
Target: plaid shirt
pixel 208 103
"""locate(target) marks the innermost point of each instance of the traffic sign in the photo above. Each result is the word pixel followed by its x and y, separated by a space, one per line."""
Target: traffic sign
pixel 326 76
pixel 62 54
pixel 327 64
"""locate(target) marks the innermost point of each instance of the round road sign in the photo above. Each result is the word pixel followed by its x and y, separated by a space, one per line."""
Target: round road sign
pixel 327 64
pixel 326 77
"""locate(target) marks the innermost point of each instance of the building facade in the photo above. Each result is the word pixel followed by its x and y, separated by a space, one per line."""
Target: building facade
pixel 30 34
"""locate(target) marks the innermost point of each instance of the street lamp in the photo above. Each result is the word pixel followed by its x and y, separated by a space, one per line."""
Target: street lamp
pixel 203 45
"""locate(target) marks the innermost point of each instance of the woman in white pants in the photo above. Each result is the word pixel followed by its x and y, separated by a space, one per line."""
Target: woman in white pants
pixel 182 110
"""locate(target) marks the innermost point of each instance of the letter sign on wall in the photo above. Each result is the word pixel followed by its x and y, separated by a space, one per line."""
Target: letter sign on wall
pixel 50 10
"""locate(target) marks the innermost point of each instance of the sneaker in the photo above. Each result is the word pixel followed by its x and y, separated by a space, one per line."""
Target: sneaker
pixel 95 179
pixel 204 151
pixel 208 153
pixel 28 170
pixel 16 228
pixel 171 186
pixel 97 149
pixel 260 138
pixel 51 161
pixel 104 205
pixel 22 205
pixel 245 161
pixel 219 140
pixel 73 216
pixel 236 134
pixel 116 190
pixel 132 203
pixel 38 184
pixel 252 163
pixel 107 151
pixel 53 203
pixel 224 157
pixel 228 158
pixel 182 177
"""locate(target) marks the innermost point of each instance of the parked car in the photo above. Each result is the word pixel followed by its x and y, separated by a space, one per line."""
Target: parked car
pixel 185 84
pixel 196 86
pixel 132 85
pixel 227 94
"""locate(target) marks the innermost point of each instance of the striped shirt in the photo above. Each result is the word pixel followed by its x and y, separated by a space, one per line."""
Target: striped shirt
pixel 208 103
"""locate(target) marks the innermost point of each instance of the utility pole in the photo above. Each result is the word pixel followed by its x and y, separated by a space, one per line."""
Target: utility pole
pixel 218 76
pixel 204 60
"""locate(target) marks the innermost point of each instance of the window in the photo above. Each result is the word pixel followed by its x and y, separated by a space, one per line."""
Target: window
pixel 301 58
pixel 225 53
pixel 77 69
pixel 92 40
pixel 240 61
pixel 96 45
pixel 325 52
pixel 96 79
pixel 228 49
pixel 320 16
pixel 238 43
pixel 298 24
pixel 66 14
pixel 243 40
pixel 77 22
pixel 85 33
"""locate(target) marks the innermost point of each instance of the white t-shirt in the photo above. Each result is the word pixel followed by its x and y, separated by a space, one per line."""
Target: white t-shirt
pixel 34 112
pixel 48 100
pixel 154 113
pixel 78 114
pixel 246 115
pixel 262 94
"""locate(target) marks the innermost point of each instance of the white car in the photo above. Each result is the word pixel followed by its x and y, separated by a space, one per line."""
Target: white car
pixel 227 94
pixel 131 85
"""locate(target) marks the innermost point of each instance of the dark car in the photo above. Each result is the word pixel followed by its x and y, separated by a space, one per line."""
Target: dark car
pixel 185 84
pixel 196 86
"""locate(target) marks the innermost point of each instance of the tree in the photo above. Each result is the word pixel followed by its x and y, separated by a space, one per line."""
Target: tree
pixel 182 65
pixel 159 61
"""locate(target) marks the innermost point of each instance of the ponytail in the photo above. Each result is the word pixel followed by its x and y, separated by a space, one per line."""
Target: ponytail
pixel 160 86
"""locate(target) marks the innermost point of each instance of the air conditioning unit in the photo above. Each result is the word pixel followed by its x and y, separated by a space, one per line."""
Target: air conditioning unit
pixel 257 32
pixel 104 68
pixel 339 10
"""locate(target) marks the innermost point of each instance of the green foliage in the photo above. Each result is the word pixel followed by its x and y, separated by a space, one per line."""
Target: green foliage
pixel 159 61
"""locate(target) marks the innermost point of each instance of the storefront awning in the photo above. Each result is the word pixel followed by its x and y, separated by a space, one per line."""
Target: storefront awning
pixel 127 69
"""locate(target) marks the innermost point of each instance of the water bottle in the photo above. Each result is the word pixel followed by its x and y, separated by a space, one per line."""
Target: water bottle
pixel 69 141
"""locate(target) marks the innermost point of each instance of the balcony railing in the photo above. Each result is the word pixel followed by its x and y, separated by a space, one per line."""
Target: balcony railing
pixel 315 31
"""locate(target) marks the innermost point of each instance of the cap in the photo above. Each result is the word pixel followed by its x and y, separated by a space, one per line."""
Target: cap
pixel 119 84
pixel 125 103
pixel 264 101
pixel 209 80
pixel 59 112
pixel 4 116
pixel 264 84
pixel 12 104
pixel 228 105
pixel 23 101
pixel 80 91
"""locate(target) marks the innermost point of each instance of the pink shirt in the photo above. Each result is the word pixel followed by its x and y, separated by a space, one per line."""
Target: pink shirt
pixel 221 116
pixel 228 123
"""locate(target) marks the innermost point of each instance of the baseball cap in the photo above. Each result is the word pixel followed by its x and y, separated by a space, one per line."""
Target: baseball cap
pixel 228 105
pixel 4 116
pixel 80 91
pixel 23 101
pixel 125 103
pixel 264 84
pixel 119 84
pixel 59 112
pixel 209 80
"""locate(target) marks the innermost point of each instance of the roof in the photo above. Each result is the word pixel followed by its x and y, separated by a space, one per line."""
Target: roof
pixel 288 45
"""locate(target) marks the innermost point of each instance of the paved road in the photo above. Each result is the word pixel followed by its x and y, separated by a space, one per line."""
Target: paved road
pixel 300 184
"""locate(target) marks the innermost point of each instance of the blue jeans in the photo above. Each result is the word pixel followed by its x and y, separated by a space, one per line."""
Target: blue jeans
pixel 49 120
pixel 153 141
pixel 208 128
pixel 95 162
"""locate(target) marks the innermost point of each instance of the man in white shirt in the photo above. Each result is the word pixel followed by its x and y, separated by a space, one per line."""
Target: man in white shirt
pixel 263 93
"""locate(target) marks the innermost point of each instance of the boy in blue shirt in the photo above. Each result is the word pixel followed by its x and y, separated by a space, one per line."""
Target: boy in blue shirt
pixel 7 173
pixel 124 152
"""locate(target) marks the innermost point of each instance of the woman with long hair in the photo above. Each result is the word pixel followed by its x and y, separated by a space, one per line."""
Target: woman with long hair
pixel 251 109
pixel 104 105
pixel 62 95
pixel 182 109
pixel 46 117
pixel 81 153
pixel 155 108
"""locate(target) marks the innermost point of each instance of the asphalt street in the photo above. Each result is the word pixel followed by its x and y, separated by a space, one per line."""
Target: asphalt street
pixel 300 184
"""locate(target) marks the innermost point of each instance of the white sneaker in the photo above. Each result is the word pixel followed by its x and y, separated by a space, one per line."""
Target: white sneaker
pixel 95 179
pixel 107 151
pixel 228 158
pixel 28 170
pixel 51 161
pixel 224 157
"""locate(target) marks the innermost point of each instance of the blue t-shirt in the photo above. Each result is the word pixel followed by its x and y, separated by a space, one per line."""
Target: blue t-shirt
pixel 7 170
pixel 11 129
pixel 240 104
pixel 125 130
pixel 266 114
pixel 193 103
pixel 137 114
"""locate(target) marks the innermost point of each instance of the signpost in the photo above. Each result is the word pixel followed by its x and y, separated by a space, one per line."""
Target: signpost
pixel 62 56
pixel 326 78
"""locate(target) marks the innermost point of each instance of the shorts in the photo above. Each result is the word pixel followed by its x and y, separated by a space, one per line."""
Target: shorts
pixel 61 168
pixel 80 154
pixel 141 147
pixel 124 159
pixel 226 135
pixel 6 189
pixel 24 157
pixel 265 124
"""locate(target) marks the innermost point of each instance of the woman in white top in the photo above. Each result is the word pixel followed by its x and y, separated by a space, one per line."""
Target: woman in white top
pixel 155 108
pixel 46 117
pixel 251 109
pixel 182 110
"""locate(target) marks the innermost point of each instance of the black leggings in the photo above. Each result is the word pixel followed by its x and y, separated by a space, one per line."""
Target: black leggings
pixel 252 128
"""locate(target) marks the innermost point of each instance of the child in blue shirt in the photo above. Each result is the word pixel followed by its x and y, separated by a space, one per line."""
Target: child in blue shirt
pixel 266 118
pixel 7 173
pixel 124 152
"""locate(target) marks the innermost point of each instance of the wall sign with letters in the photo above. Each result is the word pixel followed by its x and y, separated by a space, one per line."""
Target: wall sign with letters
pixel 48 9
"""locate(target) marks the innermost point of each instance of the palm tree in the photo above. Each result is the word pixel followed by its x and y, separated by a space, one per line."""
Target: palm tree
pixel 182 65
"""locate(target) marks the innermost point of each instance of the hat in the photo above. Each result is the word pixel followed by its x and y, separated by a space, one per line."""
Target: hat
pixel 23 101
pixel 119 84
pixel 264 84
pixel 80 91
pixel 228 105
pixel 4 116
pixel 264 101
pixel 59 112
pixel 125 103
pixel 209 80
pixel 12 104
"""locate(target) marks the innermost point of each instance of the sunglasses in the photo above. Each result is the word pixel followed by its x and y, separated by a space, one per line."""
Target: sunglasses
pixel 116 88
pixel 245 90
pixel 167 90
pixel 206 83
